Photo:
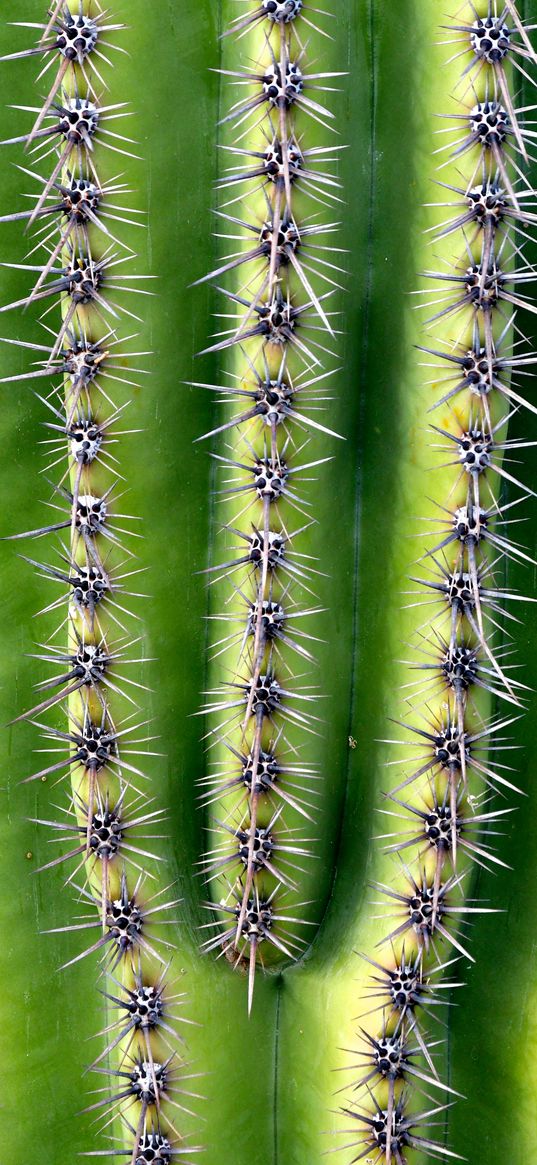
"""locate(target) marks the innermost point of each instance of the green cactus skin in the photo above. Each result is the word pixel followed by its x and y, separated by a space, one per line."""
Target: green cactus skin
pixel 294 886
pixel 270 1085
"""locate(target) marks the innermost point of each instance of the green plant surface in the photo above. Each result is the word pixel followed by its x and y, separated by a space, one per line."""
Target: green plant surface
pixel 268 1082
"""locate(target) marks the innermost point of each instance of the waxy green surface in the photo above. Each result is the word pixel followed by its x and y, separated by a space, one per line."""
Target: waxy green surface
pixel 269 1081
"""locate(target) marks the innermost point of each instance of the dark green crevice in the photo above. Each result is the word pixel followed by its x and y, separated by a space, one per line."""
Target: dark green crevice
pixel 379 442
pixel 357 437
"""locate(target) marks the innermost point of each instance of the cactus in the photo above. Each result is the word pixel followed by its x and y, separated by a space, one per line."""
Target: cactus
pixel 274 829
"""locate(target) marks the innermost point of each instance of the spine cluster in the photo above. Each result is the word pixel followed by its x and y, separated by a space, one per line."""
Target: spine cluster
pixel 277 279
pixel 442 809
pixel 81 275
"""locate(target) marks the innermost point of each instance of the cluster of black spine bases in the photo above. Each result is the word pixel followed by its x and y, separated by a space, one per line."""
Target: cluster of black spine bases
pixel 455 784
pixel 102 821
pixel 279 202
